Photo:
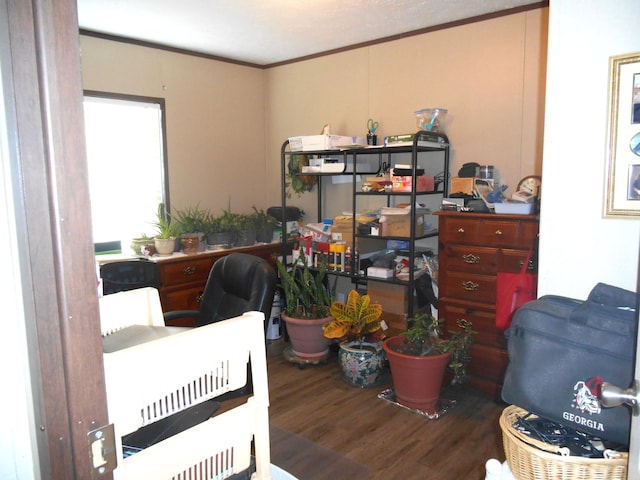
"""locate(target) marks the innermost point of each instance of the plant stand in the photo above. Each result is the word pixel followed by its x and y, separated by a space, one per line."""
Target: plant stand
pixel 291 357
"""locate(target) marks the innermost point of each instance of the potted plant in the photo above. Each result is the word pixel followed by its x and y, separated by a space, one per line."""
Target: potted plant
pixel 139 242
pixel 419 358
pixel 166 231
pixel 265 224
pixel 356 325
pixel 222 229
pixel 192 222
pixel 307 301
pixel 246 230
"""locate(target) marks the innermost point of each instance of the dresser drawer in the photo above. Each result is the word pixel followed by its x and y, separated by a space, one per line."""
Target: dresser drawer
pixel 466 258
pixel 489 363
pixel 498 233
pixel 483 321
pixel 511 260
pixel 469 287
pixel 459 230
pixel 188 271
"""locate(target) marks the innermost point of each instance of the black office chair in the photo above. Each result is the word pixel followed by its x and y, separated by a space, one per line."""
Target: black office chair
pixel 237 283
pixel 128 275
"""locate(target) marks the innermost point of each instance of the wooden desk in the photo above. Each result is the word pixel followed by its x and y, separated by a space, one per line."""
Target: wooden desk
pixel 183 277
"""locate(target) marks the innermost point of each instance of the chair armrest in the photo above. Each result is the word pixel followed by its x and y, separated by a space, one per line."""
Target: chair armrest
pixel 180 314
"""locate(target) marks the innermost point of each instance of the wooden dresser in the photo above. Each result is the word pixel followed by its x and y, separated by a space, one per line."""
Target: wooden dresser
pixel 473 247
pixel 183 277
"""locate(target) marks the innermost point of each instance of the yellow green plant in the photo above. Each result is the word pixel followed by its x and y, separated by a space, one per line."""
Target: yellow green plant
pixel 356 319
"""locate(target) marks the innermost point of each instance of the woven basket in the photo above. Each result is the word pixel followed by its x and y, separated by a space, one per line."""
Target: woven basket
pixel 530 459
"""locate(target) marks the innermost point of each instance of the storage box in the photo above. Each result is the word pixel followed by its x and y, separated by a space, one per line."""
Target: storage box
pixel 393 298
pixel 462 185
pixel 400 225
pixel 514 208
pixel 323 142
pixel 396 322
pixel 425 183
pixel 379 272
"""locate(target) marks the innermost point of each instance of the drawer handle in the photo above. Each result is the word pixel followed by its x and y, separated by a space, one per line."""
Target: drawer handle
pixel 189 270
pixel 461 230
pixel 498 232
pixel 470 286
pixel 471 258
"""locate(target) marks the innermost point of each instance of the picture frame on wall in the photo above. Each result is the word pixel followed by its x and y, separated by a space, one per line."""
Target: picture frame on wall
pixel 622 197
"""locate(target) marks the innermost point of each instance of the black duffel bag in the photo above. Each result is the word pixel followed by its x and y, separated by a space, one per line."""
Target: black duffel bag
pixel 560 352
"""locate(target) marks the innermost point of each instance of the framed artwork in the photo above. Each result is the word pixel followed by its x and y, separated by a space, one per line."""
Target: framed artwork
pixel 622 197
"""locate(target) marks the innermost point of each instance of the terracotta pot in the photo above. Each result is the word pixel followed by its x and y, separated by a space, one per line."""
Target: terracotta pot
pixel 307 340
pixel 416 380
pixel 361 363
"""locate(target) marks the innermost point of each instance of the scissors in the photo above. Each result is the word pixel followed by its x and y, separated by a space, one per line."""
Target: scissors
pixel 372 126
pixel 384 168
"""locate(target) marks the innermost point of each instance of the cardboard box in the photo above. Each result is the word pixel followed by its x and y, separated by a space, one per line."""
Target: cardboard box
pixel 396 323
pixel 403 183
pixel 462 185
pixel 393 298
pixel 400 225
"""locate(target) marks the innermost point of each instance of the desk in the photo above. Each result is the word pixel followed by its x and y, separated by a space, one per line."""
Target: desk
pixel 183 277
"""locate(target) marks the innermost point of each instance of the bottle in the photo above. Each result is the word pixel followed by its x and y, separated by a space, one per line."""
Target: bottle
pixel 348 266
pixel 356 262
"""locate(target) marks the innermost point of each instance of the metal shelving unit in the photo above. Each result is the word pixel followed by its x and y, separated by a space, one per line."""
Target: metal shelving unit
pixel 429 147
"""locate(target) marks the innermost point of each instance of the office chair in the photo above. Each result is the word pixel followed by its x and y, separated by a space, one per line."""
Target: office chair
pixel 129 275
pixel 237 283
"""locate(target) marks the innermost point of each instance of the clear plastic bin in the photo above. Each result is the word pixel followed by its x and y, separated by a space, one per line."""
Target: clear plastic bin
pixel 431 119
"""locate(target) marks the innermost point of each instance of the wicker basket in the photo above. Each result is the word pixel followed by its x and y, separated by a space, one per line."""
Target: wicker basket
pixel 530 459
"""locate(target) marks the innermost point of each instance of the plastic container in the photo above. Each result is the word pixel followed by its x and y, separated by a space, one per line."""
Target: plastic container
pixel 431 119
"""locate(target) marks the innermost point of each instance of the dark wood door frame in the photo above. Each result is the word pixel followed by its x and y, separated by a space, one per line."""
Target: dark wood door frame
pixel 41 68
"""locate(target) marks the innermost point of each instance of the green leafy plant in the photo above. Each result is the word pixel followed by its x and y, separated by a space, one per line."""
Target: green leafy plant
pixel 263 220
pixel 193 219
pixel 165 226
pixel 306 293
pixel 230 222
pixel 295 181
pixel 357 319
pixel 425 337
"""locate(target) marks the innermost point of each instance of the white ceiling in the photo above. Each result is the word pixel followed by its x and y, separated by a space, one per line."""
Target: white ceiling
pixel 264 32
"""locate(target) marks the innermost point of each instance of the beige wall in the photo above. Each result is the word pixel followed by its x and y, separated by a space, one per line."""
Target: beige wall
pixel 489 75
pixel 226 123
pixel 215 119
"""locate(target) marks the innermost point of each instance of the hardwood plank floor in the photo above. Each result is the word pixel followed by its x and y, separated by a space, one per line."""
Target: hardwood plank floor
pixel 315 409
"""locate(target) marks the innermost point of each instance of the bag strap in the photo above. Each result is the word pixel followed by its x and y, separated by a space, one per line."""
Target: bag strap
pixel 525 265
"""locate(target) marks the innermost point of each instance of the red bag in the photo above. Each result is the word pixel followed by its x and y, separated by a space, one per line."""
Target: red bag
pixel 512 291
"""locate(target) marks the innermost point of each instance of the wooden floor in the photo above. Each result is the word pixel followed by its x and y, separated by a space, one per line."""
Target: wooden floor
pixel 315 414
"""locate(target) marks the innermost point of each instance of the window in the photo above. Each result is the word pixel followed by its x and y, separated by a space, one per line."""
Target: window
pixel 126 157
